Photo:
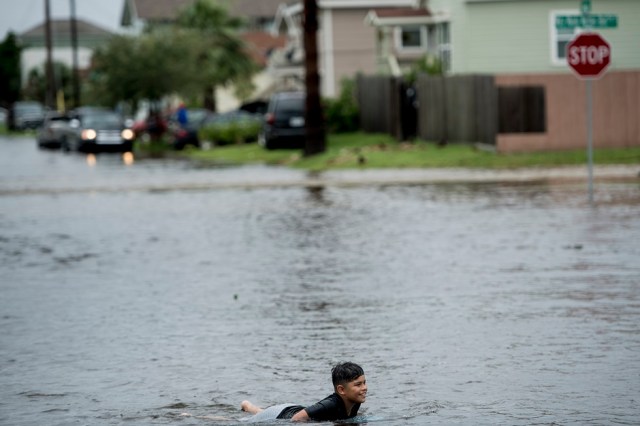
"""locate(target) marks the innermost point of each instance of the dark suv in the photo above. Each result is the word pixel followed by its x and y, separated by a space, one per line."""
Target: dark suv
pixel 284 121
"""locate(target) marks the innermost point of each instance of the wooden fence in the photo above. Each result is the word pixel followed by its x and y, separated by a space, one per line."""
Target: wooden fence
pixel 534 112
pixel 379 102
pixel 458 108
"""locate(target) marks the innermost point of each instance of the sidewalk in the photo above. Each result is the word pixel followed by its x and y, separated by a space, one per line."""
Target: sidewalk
pixel 626 173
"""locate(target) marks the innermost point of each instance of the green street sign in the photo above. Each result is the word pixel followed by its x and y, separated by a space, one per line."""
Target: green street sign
pixel 585 6
pixel 569 22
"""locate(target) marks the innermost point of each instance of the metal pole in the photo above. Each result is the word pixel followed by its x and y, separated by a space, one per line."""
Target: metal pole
pixel 590 138
pixel 585 7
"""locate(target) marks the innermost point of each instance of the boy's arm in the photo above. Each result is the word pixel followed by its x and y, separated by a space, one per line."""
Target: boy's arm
pixel 300 416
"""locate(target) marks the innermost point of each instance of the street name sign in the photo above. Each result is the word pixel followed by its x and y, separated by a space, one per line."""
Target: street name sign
pixel 570 22
pixel 588 55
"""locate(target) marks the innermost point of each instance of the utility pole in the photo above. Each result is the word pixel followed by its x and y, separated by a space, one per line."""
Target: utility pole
pixel 315 143
pixel 74 47
pixel 50 92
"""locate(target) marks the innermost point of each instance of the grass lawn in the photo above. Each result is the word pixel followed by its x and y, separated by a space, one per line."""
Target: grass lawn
pixel 361 150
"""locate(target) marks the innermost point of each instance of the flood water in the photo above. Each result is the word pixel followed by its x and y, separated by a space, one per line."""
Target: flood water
pixel 132 293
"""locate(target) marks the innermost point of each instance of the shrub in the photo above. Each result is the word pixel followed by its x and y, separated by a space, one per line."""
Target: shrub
pixel 342 114
pixel 226 133
pixel 428 64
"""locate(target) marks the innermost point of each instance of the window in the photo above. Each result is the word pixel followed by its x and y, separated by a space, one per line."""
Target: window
pixel 411 38
pixel 560 37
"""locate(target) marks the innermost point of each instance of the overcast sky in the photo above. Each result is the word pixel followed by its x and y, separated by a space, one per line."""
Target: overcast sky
pixel 21 15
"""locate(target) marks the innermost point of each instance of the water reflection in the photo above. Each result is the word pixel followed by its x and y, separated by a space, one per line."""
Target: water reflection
pixel 128 158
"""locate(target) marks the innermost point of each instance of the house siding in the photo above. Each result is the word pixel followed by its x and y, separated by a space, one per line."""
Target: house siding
pixel 35 58
pixel 516 36
pixel 353 45
pixel 616 102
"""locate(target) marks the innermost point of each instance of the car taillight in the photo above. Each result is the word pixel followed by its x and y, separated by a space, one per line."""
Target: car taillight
pixel 270 118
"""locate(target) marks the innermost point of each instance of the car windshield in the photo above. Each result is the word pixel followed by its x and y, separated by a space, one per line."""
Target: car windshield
pixel 102 121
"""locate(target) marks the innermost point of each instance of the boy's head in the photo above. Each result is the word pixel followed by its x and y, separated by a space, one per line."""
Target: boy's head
pixel 345 372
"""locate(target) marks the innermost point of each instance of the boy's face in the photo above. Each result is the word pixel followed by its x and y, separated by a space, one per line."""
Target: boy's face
pixel 355 390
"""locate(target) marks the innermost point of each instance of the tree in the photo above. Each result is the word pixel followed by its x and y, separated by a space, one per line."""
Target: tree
pixel 221 55
pixel 314 121
pixel 9 70
pixel 147 67
pixel 200 52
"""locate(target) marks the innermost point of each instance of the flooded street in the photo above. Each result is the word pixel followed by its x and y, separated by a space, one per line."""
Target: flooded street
pixel 136 290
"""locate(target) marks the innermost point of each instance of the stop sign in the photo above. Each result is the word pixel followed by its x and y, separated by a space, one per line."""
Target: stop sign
pixel 588 55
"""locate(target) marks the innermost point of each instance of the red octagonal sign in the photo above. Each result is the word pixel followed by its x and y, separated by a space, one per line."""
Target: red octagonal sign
pixel 588 55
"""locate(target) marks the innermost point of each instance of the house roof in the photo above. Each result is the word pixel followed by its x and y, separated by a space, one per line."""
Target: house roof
pixel 62 28
pixel 167 10
pixel 89 35
pixel 401 12
pixel 401 16
pixel 157 10
pixel 255 8
pixel 260 45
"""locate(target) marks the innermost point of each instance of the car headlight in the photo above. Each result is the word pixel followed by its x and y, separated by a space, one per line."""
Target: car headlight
pixel 127 134
pixel 89 134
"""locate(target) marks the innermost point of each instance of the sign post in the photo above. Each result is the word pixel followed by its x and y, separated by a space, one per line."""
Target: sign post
pixel 589 55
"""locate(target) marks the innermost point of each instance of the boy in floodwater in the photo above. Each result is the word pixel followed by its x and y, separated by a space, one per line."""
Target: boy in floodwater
pixel 350 390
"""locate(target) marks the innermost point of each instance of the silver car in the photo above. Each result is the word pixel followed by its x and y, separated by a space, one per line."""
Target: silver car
pixel 52 131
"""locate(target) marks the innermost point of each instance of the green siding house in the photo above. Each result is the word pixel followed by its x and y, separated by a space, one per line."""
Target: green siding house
pixel 520 36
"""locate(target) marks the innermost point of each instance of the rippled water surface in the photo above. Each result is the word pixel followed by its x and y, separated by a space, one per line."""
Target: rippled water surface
pixel 133 293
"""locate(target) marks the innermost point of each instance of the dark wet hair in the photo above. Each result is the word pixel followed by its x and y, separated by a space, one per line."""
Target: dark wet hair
pixel 345 372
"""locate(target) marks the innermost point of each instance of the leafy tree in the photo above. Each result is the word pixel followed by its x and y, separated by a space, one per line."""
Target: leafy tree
pixel 197 54
pixel 221 55
pixel 148 67
pixel 9 70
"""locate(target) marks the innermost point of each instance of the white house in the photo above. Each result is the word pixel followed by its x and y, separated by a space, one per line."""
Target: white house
pixel 34 52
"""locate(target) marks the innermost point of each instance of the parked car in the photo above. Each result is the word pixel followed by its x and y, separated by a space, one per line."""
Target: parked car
pixel 97 129
pixel 4 116
pixel 187 135
pixel 53 129
pixel 284 121
pixel 26 115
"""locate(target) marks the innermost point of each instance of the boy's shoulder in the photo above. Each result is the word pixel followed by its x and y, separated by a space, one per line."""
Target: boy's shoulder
pixel 330 408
